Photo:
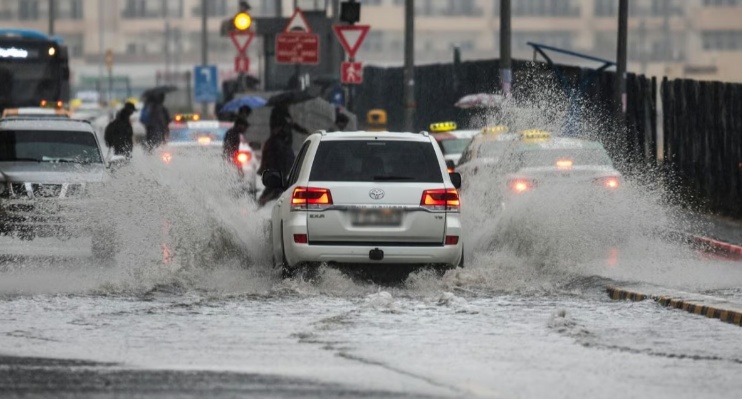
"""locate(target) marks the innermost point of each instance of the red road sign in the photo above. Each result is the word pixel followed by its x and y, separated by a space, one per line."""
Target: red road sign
pixel 297 23
pixel 351 37
pixel 241 64
pixel 241 40
pixel 352 72
pixel 297 44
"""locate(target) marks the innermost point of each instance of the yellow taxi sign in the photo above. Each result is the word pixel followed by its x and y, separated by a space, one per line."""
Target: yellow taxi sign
pixel 495 129
pixel 532 136
pixel 443 126
pixel 187 117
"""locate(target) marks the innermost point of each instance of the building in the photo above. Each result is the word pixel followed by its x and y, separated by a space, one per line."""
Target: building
pixel 699 39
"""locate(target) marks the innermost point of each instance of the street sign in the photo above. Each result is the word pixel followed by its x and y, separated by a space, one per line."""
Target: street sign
pixel 352 72
pixel 297 44
pixel 242 64
pixel 207 84
pixel 241 40
pixel 351 37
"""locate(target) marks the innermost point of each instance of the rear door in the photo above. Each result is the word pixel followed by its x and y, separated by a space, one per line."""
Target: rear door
pixel 376 188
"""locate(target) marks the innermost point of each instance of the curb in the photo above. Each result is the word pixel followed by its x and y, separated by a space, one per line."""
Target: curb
pixel 725 315
pixel 708 245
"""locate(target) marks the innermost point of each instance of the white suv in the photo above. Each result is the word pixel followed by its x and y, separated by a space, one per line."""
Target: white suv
pixel 367 198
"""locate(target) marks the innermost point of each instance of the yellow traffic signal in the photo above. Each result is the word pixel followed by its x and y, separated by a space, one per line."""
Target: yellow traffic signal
pixel 242 21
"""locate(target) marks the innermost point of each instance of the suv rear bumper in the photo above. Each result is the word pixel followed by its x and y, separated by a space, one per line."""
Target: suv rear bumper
pixel 449 254
pixel 32 219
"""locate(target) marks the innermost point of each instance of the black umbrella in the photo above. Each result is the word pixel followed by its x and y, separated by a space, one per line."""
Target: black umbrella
pixel 290 98
pixel 149 93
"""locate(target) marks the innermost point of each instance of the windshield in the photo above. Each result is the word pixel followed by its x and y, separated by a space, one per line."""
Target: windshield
pixel 375 160
pixel 454 146
pixel 549 157
pixel 49 146
pixel 187 135
pixel 493 149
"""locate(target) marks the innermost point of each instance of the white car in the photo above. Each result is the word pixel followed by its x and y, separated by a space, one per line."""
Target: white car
pixel 192 139
pixel 367 198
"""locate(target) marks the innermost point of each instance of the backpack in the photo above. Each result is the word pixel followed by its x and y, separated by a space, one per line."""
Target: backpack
pixel 144 115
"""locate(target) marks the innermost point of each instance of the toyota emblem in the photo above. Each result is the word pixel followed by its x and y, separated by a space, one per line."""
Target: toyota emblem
pixel 376 194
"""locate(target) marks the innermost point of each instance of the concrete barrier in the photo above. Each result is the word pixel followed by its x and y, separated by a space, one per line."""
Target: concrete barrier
pixel 715 308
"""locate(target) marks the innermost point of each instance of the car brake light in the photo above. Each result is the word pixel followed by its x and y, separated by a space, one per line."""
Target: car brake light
pixel 564 164
pixel 204 140
pixel 300 238
pixel 611 183
pixel 307 198
pixel 196 117
pixel 452 240
pixel 178 118
pixel 166 157
pixel 520 185
pixel 243 157
pixel 441 200
pixel 450 170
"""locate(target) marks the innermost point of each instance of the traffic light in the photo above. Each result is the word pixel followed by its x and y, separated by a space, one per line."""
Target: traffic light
pixel 242 21
pixel 350 12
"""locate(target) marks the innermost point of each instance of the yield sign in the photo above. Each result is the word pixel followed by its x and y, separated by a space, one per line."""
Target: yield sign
pixel 351 37
pixel 241 40
pixel 297 23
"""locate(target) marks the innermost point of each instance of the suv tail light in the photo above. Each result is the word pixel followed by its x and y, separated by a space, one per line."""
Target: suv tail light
pixel 521 185
pixel 441 200
pixel 243 157
pixel 308 198
pixel 610 183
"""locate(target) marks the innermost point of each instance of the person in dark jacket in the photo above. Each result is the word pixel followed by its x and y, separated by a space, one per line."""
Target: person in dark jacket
pixel 159 119
pixel 278 156
pixel 282 122
pixel 232 138
pixel 119 134
pixel 341 122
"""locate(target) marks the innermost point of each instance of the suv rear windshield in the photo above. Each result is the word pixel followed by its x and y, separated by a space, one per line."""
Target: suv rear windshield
pixel 49 146
pixel 376 160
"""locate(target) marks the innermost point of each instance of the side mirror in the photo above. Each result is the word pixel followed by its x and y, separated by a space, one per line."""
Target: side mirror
pixel 450 165
pixel 272 179
pixel 455 179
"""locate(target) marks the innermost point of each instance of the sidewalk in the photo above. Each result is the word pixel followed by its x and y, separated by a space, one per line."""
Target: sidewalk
pixel 715 227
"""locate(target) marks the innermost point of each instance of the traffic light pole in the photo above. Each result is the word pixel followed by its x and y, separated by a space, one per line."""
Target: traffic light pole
pixel 506 74
pixel 623 30
pixel 409 66
pixel 52 15
pixel 204 48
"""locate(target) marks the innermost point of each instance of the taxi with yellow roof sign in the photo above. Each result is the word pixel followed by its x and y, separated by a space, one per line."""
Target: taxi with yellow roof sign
pixel 46 109
pixel 452 141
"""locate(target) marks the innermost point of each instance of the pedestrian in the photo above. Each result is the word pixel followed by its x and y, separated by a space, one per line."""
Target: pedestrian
pixel 244 112
pixel 119 134
pixel 159 119
pixel 282 122
pixel 278 156
pixel 232 139
pixel 341 122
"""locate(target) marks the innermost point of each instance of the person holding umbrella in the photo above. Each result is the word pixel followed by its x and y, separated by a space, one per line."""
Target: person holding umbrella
pixel 281 122
pixel 119 134
pixel 157 125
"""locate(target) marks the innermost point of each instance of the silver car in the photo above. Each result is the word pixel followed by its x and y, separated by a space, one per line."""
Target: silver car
pixel 47 170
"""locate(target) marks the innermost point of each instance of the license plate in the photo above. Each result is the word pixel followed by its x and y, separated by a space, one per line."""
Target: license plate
pixel 376 217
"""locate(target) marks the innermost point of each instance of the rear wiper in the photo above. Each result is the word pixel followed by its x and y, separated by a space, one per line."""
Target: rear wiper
pixel 393 178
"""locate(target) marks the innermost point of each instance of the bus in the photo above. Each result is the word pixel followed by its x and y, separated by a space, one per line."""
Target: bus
pixel 33 68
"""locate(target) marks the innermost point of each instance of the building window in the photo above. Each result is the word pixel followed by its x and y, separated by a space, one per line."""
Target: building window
pixel 372 2
pixel 28 10
pixel 267 7
pixel 75 44
pixel 373 42
pixel 217 8
pixel 545 8
pixel 153 9
pixel 722 3
pixel 453 8
pixel 68 9
pixel 722 40
pixel 606 8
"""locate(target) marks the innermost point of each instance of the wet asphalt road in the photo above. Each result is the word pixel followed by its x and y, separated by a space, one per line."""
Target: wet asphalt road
pixel 58 378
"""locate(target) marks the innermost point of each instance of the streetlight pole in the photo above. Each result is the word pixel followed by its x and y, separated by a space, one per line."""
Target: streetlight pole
pixel 52 15
pixel 506 74
pixel 623 29
pixel 409 66
pixel 204 47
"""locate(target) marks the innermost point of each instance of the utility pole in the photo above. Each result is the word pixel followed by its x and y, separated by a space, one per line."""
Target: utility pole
pixel 623 32
pixel 506 73
pixel 409 65
pixel 279 8
pixel 52 15
pixel 204 46
pixel 337 50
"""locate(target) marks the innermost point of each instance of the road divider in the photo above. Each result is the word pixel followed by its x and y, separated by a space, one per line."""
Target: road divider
pixel 708 245
pixel 712 307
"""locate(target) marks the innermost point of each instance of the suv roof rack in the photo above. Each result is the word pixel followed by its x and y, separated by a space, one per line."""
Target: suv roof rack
pixel 424 133
pixel 42 118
